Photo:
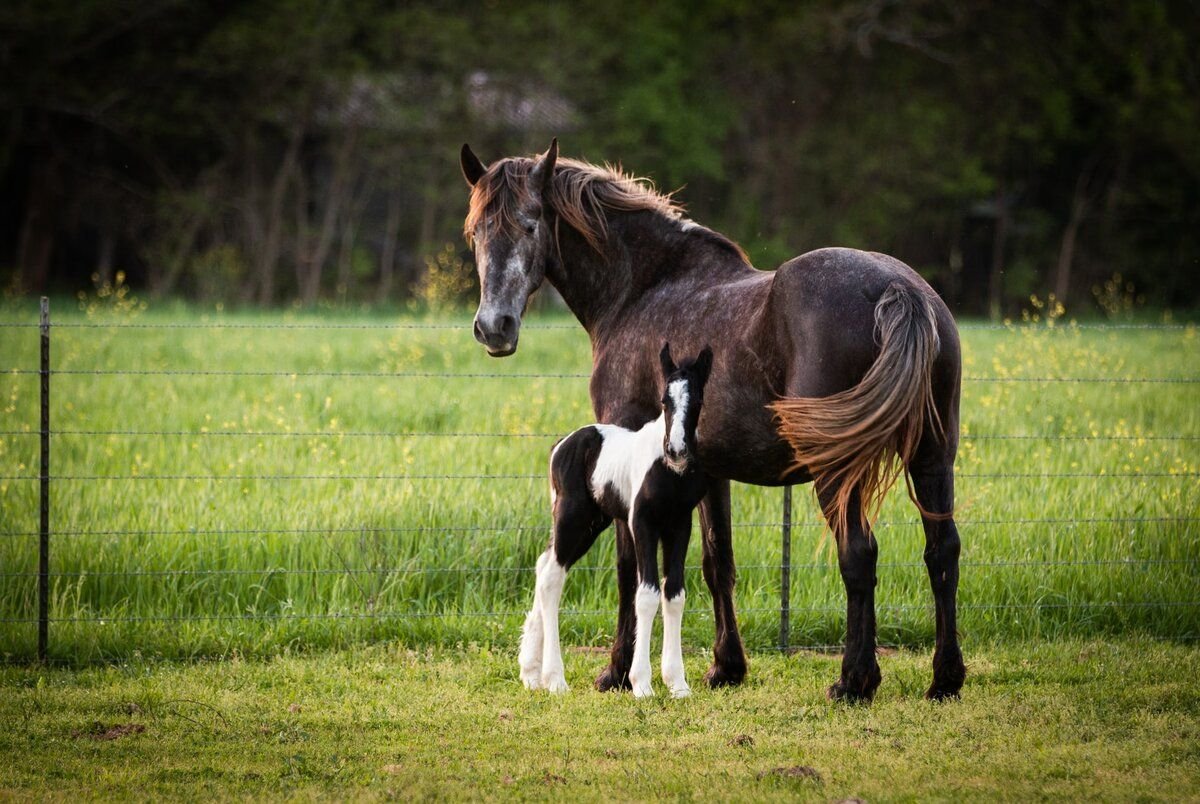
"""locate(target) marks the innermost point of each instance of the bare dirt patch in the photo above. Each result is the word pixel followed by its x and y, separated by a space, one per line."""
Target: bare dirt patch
pixel 101 732
pixel 793 772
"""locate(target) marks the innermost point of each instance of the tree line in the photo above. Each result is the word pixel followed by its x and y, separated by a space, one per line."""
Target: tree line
pixel 273 151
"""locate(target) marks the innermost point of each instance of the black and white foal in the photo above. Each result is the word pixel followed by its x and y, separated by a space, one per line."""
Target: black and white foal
pixel 648 478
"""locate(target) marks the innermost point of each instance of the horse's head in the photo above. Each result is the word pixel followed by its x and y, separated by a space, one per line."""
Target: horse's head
pixel 681 403
pixel 507 226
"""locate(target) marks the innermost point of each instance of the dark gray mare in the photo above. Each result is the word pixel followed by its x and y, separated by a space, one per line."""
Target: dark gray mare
pixel 841 367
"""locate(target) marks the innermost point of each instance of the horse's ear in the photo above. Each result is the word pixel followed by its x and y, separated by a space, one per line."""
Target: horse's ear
pixel 664 357
pixel 542 175
pixel 472 168
pixel 703 364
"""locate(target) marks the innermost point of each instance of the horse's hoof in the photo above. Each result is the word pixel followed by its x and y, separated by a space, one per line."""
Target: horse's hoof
pixel 725 675
pixel 610 680
pixel 845 693
pixel 555 684
pixel 681 692
pixel 936 694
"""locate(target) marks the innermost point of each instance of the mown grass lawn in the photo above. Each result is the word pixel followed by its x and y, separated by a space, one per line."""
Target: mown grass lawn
pixel 1070 720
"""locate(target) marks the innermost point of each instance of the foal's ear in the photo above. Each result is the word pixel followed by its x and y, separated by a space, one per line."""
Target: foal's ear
pixel 664 357
pixel 703 364
pixel 542 176
pixel 472 168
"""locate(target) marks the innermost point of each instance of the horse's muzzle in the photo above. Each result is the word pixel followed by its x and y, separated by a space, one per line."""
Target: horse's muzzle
pixel 498 334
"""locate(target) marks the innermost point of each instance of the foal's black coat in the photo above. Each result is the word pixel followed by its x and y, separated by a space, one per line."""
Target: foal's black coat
pixel 662 510
pixel 650 481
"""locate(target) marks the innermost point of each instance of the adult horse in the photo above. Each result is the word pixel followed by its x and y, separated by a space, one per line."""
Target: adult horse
pixel 829 369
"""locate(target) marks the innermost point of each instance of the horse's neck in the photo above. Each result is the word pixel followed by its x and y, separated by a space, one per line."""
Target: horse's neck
pixel 643 249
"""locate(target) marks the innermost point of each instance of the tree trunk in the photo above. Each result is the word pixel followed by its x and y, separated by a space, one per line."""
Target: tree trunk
pixel 999 241
pixel 35 245
pixel 350 226
pixel 1066 250
pixel 105 257
pixel 333 205
pixel 272 245
pixel 1080 201
pixel 387 257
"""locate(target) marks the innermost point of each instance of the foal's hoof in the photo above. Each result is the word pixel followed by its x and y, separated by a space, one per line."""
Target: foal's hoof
pixel 841 691
pixel 936 694
pixel 729 675
pixel 556 685
pixel 610 679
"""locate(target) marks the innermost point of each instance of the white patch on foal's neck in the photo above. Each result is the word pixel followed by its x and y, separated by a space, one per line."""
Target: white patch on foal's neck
pixel 625 458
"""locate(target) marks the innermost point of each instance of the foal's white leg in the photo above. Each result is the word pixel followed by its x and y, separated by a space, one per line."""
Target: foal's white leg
pixel 645 607
pixel 551 576
pixel 672 655
pixel 532 635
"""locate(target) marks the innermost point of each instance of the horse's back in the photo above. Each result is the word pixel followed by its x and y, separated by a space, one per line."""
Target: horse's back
pixel 823 307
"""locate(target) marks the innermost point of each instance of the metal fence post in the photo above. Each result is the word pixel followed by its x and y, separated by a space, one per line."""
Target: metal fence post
pixel 44 493
pixel 785 572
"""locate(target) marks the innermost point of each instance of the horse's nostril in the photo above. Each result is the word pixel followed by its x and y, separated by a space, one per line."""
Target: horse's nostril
pixel 479 332
pixel 508 327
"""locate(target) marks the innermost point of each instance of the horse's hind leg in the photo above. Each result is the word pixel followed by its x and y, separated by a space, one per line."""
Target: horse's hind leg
pixel 577 523
pixel 935 491
pixel 857 555
pixel 533 633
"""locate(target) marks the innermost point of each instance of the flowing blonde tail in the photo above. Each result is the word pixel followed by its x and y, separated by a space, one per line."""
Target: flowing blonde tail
pixel 863 437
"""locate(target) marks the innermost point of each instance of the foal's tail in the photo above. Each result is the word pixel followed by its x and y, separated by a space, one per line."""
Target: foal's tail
pixel 852 439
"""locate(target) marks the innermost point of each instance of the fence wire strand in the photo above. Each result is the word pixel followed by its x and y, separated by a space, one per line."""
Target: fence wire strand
pixel 521 613
pixel 1131 563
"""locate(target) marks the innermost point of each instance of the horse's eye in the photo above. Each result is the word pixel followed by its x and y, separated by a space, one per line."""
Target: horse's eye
pixel 530 228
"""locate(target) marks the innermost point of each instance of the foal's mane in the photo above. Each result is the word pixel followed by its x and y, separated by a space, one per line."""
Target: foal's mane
pixel 582 194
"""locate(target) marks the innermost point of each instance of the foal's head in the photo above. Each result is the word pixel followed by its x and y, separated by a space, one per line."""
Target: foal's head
pixel 681 403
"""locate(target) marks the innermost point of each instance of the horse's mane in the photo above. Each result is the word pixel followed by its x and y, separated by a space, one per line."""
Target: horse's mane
pixel 582 194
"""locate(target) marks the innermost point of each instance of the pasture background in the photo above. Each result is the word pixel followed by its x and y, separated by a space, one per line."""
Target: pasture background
pixel 1077 501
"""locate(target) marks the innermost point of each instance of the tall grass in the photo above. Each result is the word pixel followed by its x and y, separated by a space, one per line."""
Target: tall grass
pixel 438 550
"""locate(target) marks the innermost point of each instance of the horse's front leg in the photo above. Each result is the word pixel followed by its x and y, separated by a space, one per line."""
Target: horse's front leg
pixel 616 675
pixel 729 658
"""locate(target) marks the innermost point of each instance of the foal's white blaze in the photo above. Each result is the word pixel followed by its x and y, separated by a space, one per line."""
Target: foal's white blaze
pixel 678 392
pixel 672 655
pixel 645 607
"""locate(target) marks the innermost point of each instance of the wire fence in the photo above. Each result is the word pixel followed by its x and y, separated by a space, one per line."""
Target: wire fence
pixel 46 576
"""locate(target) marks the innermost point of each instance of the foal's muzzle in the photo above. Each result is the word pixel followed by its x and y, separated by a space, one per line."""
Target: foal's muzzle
pixel 497 333
pixel 677 462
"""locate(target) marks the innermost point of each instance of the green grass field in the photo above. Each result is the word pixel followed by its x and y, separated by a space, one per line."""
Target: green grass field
pixel 1111 720
pixel 1078 502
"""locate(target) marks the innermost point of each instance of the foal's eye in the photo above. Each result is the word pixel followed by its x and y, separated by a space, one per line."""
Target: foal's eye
pixel 530 228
